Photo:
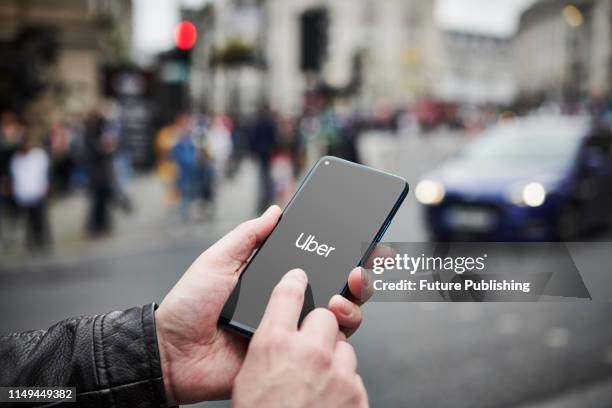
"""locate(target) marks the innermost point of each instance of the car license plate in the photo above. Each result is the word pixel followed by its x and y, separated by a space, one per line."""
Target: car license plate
pixel 474 219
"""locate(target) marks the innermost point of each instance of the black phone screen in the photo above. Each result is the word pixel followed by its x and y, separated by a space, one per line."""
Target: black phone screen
pixel 324 230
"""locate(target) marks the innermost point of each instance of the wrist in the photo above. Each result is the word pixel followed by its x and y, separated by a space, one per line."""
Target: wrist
pixel 166 364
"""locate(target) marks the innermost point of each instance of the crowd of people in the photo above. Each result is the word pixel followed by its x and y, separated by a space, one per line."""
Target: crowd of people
pixel 38 162
pixel 194 154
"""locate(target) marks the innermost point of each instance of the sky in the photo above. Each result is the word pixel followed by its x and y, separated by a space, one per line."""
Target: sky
pixel 154 25
pixel 496 17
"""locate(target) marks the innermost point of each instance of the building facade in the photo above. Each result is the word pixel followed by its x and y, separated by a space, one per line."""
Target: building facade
pixel 563 52
pixel 227 71
pixel 477 69
pixel 396 41
pixel 89 34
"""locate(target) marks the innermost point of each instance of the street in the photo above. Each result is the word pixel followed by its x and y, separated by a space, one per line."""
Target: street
pixel 410 354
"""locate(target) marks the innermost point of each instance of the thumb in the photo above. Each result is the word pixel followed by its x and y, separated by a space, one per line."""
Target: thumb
pixel 238 245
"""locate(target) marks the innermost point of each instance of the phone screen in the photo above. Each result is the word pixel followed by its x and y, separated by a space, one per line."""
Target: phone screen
pixel 324 230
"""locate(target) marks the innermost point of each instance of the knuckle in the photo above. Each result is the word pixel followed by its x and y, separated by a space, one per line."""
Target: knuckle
pixel 346 380
pixel 360 394
pixel 258 343
pixel 358 314
pixel 269 339
pixel 318 355
pixel 347 346
pixel 247 230
pixel 326 316
pixel 275 338
pixel 362 399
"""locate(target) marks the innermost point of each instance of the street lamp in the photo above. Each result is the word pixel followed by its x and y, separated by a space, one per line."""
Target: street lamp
pixel 572 16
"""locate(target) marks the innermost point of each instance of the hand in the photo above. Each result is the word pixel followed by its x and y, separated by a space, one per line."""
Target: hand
pixel 298 368
pixel 200 361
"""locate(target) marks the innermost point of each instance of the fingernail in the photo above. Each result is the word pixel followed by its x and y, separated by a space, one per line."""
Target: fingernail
pixel 268 210
pixel 298 274
pixel 366 278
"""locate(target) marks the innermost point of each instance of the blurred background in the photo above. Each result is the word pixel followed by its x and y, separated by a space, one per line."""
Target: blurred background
pixel 133 134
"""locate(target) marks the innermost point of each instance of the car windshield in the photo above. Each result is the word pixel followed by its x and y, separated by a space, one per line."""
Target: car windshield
pixel 542 148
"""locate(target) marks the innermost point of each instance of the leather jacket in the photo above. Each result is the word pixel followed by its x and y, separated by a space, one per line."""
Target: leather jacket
pixel 112 360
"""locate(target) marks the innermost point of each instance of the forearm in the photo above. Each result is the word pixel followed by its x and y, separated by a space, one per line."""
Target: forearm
pixel 111 359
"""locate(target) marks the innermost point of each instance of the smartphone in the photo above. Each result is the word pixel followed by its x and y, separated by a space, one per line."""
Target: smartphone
pixel 329 226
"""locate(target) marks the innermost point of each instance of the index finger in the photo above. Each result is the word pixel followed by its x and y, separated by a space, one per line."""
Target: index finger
pixel 285 304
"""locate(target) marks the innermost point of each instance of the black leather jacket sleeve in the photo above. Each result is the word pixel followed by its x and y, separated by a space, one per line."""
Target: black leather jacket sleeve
pixel 111 359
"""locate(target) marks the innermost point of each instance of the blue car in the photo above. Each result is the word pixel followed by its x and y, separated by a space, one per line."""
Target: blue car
pixel 533 179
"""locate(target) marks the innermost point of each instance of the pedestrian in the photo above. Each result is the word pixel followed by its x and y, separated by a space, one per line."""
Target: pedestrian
pixel 206 177
pixel 240 146
pixel 340 134
pixel 99 149
pixel 284 160
pixel 11 132
pixel 29 170
pixel 167 171
pixel 60 141
pixel 263 141
pixel 219 144
pixel 185 156
pixel 122 167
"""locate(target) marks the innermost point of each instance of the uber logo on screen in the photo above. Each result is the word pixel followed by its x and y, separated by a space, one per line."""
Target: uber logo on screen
pixel 311 245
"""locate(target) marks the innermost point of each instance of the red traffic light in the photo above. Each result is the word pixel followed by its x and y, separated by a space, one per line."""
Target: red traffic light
pixel 185 35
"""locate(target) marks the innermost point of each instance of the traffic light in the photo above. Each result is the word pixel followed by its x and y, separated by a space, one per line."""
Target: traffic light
pixel 314 39
pixel 185 35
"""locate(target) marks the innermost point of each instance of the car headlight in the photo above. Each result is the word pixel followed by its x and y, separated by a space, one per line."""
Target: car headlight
pixel 531 195
pixel 429 192
pixel 534 194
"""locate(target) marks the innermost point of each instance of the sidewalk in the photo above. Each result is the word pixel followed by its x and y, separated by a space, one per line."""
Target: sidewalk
pixel 151 224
